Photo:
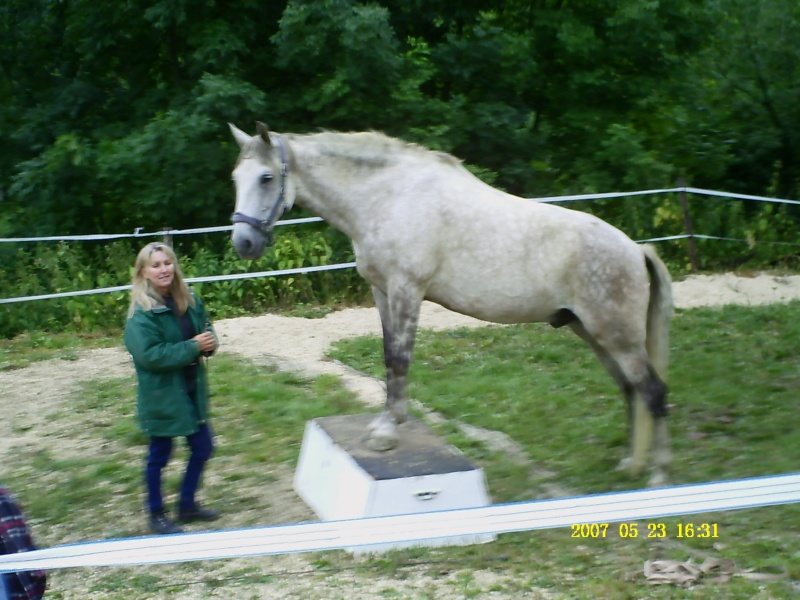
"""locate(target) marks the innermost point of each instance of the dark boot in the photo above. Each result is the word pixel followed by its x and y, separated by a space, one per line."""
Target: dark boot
pixel 160 523
pixel 197 513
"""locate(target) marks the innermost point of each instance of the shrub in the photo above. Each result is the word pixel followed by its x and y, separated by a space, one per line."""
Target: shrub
pixel 45 268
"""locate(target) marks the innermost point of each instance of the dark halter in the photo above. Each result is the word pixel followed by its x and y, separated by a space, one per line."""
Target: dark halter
pixel 266 225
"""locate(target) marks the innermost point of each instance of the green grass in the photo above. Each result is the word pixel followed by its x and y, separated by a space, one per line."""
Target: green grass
pixel 734 378
pixel 735 374
pixel 26 348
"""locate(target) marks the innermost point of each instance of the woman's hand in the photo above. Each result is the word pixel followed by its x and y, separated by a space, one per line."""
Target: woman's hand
pixel 205 341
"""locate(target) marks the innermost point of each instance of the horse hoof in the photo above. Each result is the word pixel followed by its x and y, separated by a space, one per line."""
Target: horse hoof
pixel 400 411
pixel 633 468
pixel 657 480
pixel 382 421
pixel 399 419
pixel 381 443
pixel 382 433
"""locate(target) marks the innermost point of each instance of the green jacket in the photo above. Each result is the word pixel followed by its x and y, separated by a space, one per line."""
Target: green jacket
pixel 160 353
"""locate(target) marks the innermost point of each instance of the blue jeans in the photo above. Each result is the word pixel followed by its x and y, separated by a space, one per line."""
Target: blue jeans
pixel 3 587
pixel 201 446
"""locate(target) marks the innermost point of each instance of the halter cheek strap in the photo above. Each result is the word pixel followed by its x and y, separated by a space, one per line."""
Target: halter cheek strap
pixel 265 225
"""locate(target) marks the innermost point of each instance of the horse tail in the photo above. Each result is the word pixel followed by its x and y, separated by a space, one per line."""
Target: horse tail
pixel 659 311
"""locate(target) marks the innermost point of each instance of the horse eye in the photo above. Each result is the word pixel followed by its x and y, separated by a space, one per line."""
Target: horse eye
pixel 265 178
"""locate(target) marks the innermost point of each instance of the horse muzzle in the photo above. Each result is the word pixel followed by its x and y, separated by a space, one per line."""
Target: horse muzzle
pixel 250 242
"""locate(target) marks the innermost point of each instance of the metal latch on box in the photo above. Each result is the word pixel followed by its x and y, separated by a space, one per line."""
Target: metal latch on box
pixel 427 495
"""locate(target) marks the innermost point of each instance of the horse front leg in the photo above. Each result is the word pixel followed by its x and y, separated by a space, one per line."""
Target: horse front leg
pixel 399 314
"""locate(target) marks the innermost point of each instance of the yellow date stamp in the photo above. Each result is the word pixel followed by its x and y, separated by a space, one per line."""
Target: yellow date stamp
pixel 655 530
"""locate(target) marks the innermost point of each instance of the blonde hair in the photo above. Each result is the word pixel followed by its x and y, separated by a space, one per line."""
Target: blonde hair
pixel 144 296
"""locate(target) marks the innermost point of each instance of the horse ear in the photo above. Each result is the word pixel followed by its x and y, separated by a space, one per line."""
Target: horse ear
pixel 240 136
pixel 263 131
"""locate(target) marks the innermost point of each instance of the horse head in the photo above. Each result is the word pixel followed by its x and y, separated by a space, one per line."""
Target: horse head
pixel 263 192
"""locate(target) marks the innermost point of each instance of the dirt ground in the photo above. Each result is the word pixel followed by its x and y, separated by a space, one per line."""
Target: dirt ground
pixel 33 395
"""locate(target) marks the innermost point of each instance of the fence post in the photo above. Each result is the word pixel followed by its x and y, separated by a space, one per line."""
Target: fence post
pixel 167 236
pixel 691 244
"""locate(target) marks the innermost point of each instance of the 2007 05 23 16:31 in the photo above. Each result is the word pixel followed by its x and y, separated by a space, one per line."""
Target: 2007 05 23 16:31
pixel 649 530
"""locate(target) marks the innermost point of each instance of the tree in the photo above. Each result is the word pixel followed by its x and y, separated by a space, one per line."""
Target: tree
pixel 115 119
pixel 750 77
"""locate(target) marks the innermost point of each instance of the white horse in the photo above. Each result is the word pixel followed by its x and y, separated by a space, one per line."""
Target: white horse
pixel 423 227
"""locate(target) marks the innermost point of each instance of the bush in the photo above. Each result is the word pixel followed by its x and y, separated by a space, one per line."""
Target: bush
pixel 42 268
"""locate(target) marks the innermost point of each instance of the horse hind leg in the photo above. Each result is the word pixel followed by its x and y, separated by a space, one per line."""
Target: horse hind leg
pixel 649 422
pixel 645 395
pixel 399 318
pixel 653 394
pixel 625 386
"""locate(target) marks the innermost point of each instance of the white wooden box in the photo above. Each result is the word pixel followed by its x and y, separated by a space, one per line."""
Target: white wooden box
pixel 339 477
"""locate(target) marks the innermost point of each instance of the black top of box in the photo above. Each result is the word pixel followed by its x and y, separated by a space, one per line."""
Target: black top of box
pixel 419 450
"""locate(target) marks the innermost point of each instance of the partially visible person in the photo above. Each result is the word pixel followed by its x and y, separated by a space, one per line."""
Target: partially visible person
pixel 168 333
pixel 16 537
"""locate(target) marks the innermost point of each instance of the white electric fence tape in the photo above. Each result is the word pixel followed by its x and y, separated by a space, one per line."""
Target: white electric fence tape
pixel 688 190
pixel 122 288
pixel 362 533
pixel 212 278
pixel 140 233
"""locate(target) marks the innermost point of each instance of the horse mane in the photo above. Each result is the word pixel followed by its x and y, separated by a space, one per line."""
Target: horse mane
pixel 371 148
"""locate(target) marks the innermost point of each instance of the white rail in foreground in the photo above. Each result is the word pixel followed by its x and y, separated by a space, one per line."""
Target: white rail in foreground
pixel 362 533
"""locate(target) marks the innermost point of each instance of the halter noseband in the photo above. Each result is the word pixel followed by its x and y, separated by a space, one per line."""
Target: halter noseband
pixel 280 204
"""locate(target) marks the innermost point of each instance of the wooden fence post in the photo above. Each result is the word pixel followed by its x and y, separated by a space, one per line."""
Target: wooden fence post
pixel 167 236
pixel 691 244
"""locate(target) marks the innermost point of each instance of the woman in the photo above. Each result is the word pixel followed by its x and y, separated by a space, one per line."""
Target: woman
pixel 167 333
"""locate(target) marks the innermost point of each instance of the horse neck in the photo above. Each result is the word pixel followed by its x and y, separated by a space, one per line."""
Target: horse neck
pixel 342 201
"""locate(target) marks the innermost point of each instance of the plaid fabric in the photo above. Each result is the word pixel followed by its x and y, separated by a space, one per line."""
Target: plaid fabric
pixel 15 537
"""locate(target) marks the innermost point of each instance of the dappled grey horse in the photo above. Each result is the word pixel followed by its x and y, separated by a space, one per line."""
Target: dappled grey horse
pixel 423 227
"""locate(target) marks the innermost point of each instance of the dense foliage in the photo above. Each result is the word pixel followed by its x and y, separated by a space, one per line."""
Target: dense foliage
pixel 116 119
